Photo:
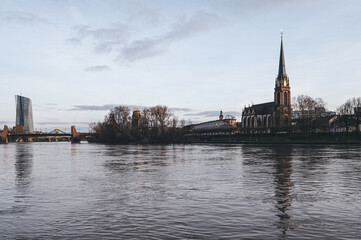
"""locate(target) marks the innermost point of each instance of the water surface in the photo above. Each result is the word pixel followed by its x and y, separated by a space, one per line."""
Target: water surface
pixel 90 191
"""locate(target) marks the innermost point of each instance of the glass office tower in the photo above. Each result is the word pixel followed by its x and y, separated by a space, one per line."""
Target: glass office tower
pixel 24 113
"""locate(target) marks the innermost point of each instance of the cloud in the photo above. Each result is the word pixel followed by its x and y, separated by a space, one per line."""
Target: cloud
pixel 149 47
pixel 144 48
pixel 117 38
pixel 145 12
pixel 73 41
pixel 22 17
pixel 103 39
pixel 75 14
pixel 107 107
pixel 117 32
pixel 175 109
pixel 204 114
pixel 213 114
pixel 241 7
pixel 92 107
pixel 97 68
pixel 61 123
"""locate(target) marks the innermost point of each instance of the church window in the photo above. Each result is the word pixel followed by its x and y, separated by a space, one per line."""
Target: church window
pixel 264 121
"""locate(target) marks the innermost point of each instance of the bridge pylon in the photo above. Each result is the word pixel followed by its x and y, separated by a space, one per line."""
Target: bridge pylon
pixel 75 136
pixel 4 135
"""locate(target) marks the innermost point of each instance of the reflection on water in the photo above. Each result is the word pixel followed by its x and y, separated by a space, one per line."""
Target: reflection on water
pixel 23 169
pixel 91 191
pixel 283 158
pixel 23 165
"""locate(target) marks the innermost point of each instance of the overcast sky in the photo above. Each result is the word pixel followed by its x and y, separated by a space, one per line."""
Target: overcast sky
pixel 76 59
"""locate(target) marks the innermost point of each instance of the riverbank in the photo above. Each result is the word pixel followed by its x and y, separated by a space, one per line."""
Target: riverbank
pixel 324 138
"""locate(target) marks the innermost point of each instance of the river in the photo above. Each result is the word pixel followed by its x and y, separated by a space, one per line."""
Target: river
pixel 92 191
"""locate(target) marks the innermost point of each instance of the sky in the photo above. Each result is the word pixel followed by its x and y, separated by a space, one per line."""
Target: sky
pixel 76 59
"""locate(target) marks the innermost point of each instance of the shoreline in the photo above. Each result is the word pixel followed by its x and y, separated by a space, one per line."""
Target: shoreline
pixel 320 138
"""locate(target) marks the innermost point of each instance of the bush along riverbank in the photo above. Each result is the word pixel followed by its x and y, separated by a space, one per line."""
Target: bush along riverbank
pixel 153 125
pixel 157 125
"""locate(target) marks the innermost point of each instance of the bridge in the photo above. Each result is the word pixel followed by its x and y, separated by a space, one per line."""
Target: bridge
pixel 74 136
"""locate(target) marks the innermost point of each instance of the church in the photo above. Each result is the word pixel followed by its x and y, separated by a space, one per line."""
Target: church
pixel 262 118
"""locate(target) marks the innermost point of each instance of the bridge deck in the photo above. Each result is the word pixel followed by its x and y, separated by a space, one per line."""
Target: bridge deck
pixel 39 135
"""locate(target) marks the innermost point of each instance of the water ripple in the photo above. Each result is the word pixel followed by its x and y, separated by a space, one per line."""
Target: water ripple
pixel 88 191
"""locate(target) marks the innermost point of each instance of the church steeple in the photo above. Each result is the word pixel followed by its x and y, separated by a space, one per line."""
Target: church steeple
pixel 282 67
pixel 282 94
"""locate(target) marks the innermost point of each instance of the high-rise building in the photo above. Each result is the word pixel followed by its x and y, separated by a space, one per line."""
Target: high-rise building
pixel 24 113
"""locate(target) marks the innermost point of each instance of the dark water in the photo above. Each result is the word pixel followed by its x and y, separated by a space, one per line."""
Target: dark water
pixel 86 191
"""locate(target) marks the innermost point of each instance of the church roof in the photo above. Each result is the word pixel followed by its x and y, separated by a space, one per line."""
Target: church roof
pixel 262 109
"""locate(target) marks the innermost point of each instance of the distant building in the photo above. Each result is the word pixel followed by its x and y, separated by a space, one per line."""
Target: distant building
pixel 316 120
pixel 221 115
pixel 24 113
pixel 357 111
pixel 346 123
pixel 136 121
pixel 276 114
pixel 222 126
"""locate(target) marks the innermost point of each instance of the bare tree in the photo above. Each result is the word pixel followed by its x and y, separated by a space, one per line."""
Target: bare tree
pixel 294 104
pixel 121 115
pixel 309 112
pixel 145 122
pixel 182 123
pixel 96 127
pixel 160 116
pixel 156 124
pixel 357 111
pixel 346 108
pixel 306 104
pixel 349 113
pixel 174 123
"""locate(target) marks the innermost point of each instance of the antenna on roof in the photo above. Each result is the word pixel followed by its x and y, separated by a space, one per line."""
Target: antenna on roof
pixel 281 33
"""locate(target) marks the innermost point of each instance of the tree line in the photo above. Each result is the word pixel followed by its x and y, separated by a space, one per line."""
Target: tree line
pixel 159 125
pixel 151 125
pixel 350 113
pixel 311 113
pixel 308 113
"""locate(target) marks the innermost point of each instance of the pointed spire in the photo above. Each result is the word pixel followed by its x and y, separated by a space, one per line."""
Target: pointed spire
pixel 282 67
